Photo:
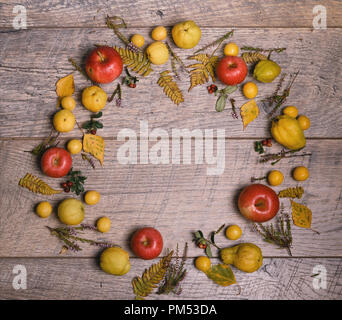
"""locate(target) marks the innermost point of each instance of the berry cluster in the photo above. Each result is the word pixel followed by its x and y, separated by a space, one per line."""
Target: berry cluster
pixel 66 186
pixel 267 142
pixel 212 88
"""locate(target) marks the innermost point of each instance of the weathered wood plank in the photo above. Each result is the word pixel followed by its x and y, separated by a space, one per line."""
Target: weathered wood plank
pixel 28 77
pixel 238 13
pixel 176 199
pixel 279 278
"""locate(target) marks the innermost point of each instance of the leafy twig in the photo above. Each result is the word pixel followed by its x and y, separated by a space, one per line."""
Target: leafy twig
pixel 205 243
pixel 217 41
pixel 92 125
pixel 77 181
pixel 223 95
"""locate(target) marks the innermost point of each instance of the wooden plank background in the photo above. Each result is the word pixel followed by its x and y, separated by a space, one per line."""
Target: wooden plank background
pixel 138 195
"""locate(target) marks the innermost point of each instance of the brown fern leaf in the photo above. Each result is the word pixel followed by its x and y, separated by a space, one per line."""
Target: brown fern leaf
pixel 296 192
pixel 201 71
pixel 252 57
pixel 151 277
pixel 170 87
pixel 36 185
pixel 136 61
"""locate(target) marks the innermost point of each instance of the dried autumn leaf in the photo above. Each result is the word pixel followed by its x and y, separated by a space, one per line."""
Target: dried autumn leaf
pixel 301 215
pixel 249 112
pixel 94 145
pixel 252 57
pixel 151 277
pixel 170 87
pixel 296 192
pixel 65 87
pixel 136 61
pixel 201 71
pixel 37 185
pixel 221 274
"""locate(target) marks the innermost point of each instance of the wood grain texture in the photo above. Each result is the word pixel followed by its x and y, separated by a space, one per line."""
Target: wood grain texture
pixel 175 199
pixel 214 13
pixel 28 76
pixel 278 278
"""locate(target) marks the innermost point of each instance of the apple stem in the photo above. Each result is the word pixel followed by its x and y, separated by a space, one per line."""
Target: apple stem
pixel 102 58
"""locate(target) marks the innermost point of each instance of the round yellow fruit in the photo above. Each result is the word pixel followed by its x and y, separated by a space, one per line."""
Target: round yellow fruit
pixel 231 49
pixel 186 35
pixel 287 131
pixel 94 98
pixel 115 261
pixel 92 197
pixel 203 263
pixel 157 52
pixel 64 121
pixel 74 146
pixel 68 103
pixel 300 173
pixel 103 224
pixel 304 122
pixel 138 40
pixel 250 90
pixel 233 232
pixel 291 111
pixel 266 71
pixel 275 178
pixel 159 33
pixel 71 211
pixel 43 209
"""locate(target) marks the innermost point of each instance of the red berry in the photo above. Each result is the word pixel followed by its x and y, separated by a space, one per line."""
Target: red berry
pixel 93 131
pixel 67 189
pixel 132 85
pixel 64 185
pixel 69 183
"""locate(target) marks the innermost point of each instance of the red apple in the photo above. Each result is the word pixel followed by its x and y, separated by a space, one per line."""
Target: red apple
pixel 231 70
pixel 147 243
pixel 56 162
pixel 104 64
pixel 258 202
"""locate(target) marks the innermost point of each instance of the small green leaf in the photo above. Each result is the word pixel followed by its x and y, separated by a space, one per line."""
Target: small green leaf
pixel 221 103
pixel 87 125
pixel 98 124
pixel 208 251
pixel 97 115
pixel 198 234
pixel 229 89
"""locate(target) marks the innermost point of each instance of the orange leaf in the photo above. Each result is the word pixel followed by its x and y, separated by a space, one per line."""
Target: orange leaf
pixel 301 215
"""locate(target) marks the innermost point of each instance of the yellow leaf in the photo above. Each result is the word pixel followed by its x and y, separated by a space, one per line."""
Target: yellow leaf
pixel 37 185
pixel 94 145
pixel 65 87
pixel 221 274
pixel 301 215
pixel 249 112
pixel 170 87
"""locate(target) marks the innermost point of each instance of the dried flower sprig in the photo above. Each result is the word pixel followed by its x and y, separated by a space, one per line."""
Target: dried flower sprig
pixel 115 23
pixel 279 234
pixel 79 69
pixel 282 155
pixel 279 99
pixel 234 113
pixel 216 42
pixel 252 49
pixel 89 159
pixel 176 58
pixel 70 237
pixel 50 141
pixel 175 274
